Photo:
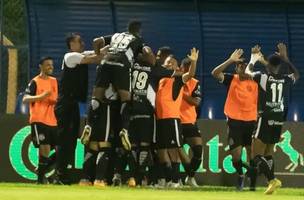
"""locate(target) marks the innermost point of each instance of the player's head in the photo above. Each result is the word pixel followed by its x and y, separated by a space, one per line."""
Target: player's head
pixel 171 63
pixel 134 27
pixel 74 42
pixel 274 63
pixel 147 58
pixel 46 65
pixel 185 65
pixel 162 54
pixel 240 68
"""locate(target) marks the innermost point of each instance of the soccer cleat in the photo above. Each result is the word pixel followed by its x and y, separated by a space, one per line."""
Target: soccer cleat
pixel 131 182
pixel 273 185
pixel 173 185
pixel 161 183
pixel 240 183
pixel 116 180
pixel 125 139
pixel 85 137
pixel 191 181
pixel 85 182
pixel 99 183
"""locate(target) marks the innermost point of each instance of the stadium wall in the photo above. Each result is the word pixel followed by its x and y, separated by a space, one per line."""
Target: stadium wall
pixel 19 158
pixel 215 27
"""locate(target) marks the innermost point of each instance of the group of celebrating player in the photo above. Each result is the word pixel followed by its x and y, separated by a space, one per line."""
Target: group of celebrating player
pixel 143 109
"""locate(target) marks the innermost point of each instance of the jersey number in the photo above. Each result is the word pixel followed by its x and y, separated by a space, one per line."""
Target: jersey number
pixel 121 41
pixel 139 80
pixel 277 90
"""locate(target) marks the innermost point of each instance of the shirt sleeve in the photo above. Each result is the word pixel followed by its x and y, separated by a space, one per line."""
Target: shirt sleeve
pixel 197 91
pixel 72 59
pixel 177 85
pixel 290 78
pixel 31 88
pixel 161 72
pixel 227 79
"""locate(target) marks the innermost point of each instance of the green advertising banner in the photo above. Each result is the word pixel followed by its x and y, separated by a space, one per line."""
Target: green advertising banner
pixel 19 158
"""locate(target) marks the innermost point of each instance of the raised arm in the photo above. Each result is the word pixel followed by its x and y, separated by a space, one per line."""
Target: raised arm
pixel 256 55
pixel 191 73
pixel 282 52
pixel 236 56
pixel 95 58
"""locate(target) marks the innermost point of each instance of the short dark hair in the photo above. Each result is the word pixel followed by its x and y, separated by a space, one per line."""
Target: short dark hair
pixel 41 61
pixel 274 59
pixel 186 62
pixel 70 37
pixel 165 51
pixel 134 26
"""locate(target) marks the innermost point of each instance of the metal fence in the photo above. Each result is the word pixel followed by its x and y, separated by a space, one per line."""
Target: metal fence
pixel 14 52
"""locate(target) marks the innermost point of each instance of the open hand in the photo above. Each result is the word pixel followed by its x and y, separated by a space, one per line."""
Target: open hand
pixel 282 51
pixel 236 56
pixel 194 54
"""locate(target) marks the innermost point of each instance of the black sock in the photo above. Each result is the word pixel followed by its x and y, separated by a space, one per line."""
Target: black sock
pixel 143 163
pixel 42 166
pixel 252 174
pixel 102 162
pixel 89 165
pixel 164 171
pixel 263 167
pixel 131 161
pixel 125 112
pixel 238 167
pixel 270 162
pixel 175 172
pixel 195 164
pixel 188 169
pixel 94 113
pixel 119 161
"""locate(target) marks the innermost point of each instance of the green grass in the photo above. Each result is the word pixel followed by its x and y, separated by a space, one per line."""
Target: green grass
pixel 51 192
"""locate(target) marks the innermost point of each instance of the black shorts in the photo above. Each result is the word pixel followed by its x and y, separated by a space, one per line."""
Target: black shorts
pixel 43 134
pixel 168 133
pixel 190 130
pixel 268 130
pixel 141 129
pixel 240 132
pixel 109 123
pixel 119 76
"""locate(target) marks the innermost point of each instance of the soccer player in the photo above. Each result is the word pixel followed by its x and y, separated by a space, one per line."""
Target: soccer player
pixel 99 144
pixel 273 86
pixel 73 88
pixel 115 68
pixel 240 109
pixel 168 101
pixel 190 131
pixel 41 95
pixel 142 124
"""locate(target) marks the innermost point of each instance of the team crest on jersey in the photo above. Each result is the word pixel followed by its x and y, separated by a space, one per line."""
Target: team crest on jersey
pixel 41 137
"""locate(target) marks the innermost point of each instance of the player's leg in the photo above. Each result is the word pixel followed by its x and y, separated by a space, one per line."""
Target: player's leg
pixel 64 114
pixel 144 129
pixel 88 170
pixel 174 148
pixel 41 133
pixel 193 137
pixel 122 81
pixel 163 141
pixel 101 83
pixel 235 141
pixel 175 163
pixel 273 183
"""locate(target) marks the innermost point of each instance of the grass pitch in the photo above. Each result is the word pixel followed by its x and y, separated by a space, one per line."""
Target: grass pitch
pixel 50 192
